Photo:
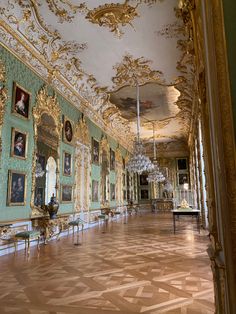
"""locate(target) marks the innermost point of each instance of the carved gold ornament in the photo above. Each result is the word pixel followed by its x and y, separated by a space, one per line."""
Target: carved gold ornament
pixel 113 16
pixel 3 99
pixel 173 30
pixel 31 26
pixel 130 71
pixel 64 9
pixel 45 104
pixel 24 32
pixel 82 133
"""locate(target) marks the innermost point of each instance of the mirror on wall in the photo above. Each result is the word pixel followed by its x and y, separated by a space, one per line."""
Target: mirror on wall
pixel 46 161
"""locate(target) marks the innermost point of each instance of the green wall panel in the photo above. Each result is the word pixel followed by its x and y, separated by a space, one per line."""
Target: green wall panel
pixel 16 71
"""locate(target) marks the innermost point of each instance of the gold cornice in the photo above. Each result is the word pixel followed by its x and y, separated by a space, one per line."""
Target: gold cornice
pixel 55 59
pixel 80 103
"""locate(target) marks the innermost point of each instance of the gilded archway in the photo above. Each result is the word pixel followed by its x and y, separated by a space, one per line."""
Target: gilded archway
pixel 45 104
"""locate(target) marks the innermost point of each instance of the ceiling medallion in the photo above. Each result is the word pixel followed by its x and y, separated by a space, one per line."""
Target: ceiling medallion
pixel 113 16
pixel 131 70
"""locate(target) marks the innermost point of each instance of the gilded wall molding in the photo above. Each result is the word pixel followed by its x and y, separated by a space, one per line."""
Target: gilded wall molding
pixel 3 99
pixel 119 177
pixel 104 153
pixel 82 133
pixel 57 61
pixel 45 104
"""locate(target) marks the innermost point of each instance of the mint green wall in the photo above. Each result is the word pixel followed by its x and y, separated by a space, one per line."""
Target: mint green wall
pixel 16 71
pixel 97 134
pixel 230 31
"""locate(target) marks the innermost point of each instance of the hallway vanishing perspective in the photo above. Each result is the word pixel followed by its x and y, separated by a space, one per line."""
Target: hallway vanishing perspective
pixel 135 267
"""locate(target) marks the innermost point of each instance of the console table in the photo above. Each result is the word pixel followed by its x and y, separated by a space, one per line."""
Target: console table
pixel 186 212
pixel 51 227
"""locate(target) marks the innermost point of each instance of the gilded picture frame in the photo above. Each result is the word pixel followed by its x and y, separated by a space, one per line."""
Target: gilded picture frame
pixel 144 194
pixel 95 187
pixel 66 193
pixel 68 131
pixel 95 151
pixel 16 192
pixel 67 164
pixel 182 164
pixel 112 191
pixel 21 101
pixel 19 143
pixel 112 159
pixel 182 178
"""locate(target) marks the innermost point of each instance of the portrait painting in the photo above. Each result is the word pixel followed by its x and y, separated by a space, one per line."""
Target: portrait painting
pixel 112 191
pixel 95 151
pixel 182 163
pixel 144 195
pixel 112 159
pixel 143 179
pixel 21 101
pixel 182 178
pixel 16 188
pixel 39 196
pixel 66 193
pixel 68 131
pixel 67 164
pixel 19 144
pixel 95 191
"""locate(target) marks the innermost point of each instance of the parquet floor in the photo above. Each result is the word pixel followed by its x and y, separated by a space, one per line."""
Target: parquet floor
pixel 135 267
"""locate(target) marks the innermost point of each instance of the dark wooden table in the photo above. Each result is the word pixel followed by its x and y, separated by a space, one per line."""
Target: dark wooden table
pixel 185 212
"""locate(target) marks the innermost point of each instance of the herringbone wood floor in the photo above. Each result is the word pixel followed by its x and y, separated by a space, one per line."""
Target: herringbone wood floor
pixel 135 267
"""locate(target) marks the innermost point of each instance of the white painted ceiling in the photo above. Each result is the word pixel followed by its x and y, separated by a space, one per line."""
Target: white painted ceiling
pixel 104 49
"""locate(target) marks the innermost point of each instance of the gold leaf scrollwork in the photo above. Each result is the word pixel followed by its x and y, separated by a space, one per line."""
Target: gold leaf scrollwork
pixel 45 104
pixel 82 133
pixel 130 71
pixel 3 99
pixel 60 9
pixel 113 15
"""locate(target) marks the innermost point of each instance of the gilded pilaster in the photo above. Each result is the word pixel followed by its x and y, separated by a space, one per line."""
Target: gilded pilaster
pixel 83 167
pixel 3 99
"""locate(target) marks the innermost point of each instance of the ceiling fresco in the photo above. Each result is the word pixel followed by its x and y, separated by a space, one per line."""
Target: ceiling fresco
pixel 157 104
pixel 86 49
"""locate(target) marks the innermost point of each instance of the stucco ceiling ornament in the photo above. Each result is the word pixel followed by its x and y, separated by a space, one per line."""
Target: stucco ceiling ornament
pixel 113 16
pixel 130 71
pixel 186 66
pixel 173 30
pixel 64 9
pixel 23 31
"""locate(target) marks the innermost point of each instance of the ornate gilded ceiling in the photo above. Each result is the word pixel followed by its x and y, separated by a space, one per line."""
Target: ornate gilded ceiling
pixel 93 52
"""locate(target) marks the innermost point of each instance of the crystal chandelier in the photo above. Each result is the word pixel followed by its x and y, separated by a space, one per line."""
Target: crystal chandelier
pixel 139 163
pixel 155 175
